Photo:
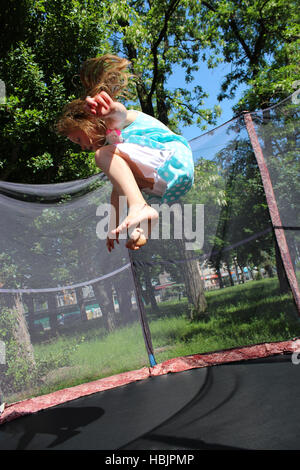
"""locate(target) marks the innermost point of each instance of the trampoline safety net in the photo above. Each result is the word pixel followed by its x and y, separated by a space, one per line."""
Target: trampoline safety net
pixel 220 270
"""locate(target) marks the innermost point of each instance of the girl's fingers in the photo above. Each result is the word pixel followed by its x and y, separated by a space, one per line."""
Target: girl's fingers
pixel 91 101
pixel 104 97
pixel 91 104
pixel 100 104
pixel 104 105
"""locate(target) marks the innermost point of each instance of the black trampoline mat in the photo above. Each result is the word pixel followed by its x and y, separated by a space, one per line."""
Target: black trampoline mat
pixel 249 405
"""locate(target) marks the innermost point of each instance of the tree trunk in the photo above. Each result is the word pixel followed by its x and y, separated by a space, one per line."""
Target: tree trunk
pixel 251 272
pixel 221 283
pixel 161 99
pixel 127 312
pixel 284 286
pixel 28 300
pixel 103 293
pixel 81 305
pixel 21 333
pixel 242 275
pixel 283 281
pixel 145 101
pixel 193 283
pixel 229 273
pixel 236 271
pixel 150 290
pixel 53 312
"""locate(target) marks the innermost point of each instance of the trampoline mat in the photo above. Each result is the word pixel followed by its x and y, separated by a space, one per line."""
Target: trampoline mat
pixel 244 405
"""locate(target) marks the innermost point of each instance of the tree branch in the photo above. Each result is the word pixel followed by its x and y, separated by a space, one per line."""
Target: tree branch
pixel 235 30
pixel 241 40
pixel 172 6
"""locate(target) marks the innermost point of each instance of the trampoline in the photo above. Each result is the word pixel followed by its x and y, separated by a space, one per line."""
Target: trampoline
pixel 250 405
pixel 89 340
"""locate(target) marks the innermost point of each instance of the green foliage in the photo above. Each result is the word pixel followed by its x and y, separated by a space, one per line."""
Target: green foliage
pixel 58 356
pixel 39 68
pixel 158 37
pixel 18 372
pixel 260 39
pixel 44 42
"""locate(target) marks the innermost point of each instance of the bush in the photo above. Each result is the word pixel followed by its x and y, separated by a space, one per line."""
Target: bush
pixel 18 372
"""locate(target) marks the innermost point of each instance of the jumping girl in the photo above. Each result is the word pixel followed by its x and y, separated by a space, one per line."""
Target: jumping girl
pixel 136 151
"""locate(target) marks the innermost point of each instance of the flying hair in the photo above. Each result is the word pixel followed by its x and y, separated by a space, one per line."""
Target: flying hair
pixel 107 73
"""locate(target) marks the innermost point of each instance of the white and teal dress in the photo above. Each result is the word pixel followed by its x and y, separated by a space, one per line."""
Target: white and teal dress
pixel 164 158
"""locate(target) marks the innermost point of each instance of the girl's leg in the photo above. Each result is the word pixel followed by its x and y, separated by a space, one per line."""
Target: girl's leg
pixel 109 159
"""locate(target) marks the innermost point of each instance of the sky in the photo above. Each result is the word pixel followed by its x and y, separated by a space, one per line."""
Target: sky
pixel 210 80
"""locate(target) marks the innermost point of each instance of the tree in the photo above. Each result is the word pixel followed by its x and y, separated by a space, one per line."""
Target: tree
pixel 245 213
pixel 44 42
pixel 157 36
pixel 20 361
pixel 39 67
pixel 260 39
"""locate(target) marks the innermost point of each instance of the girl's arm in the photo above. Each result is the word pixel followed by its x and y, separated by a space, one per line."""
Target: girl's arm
pixel 115 115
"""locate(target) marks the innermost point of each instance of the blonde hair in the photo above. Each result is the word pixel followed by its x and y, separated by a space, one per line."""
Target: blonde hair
pixel 107 73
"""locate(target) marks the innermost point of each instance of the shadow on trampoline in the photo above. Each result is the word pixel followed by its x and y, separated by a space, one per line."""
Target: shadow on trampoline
pixel 63 423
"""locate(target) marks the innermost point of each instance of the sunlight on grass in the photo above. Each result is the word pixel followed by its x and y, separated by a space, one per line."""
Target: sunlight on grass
pixel 238 316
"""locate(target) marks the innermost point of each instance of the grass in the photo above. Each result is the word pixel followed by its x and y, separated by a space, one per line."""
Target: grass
pixel 238 316
pixel 99 355
pixel 242 315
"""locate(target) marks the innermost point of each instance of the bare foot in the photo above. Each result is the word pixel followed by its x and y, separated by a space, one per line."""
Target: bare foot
pixel 138 215
pixel 137 239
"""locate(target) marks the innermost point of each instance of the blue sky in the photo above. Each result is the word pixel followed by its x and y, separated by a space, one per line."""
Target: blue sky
pixel 210 80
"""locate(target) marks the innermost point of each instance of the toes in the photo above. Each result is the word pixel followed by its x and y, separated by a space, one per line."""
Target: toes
pixel 135 234
pixel 136 240
pixel 121 228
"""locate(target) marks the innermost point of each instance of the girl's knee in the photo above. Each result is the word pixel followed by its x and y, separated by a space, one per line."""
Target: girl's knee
pixel 104 155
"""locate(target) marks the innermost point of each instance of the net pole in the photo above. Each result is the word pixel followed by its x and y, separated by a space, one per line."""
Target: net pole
pixel 273 209
pixel 143 317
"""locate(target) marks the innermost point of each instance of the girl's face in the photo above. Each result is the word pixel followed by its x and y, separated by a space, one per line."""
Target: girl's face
pixel 81 138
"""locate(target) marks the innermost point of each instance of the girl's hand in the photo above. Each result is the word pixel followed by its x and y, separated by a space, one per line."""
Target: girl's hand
pixel 112 112
pixel 100 105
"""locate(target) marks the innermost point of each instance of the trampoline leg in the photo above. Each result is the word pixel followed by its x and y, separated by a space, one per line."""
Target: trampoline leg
pixel 152 360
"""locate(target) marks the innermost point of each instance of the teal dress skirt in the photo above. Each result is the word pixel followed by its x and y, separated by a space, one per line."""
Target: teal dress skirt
pixel 160 155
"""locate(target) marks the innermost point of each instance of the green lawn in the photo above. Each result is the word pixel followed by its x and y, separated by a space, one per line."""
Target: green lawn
pixel 246 314
pixel 238 316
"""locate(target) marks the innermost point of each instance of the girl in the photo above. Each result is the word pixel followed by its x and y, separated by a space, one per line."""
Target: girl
pixel 136 151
